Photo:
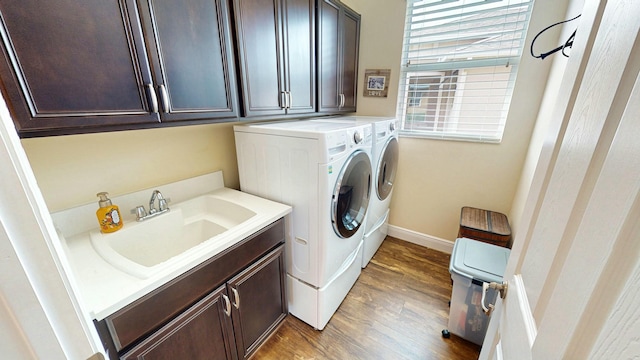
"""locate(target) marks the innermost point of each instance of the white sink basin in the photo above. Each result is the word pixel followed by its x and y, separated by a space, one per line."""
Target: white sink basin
pixel 142 248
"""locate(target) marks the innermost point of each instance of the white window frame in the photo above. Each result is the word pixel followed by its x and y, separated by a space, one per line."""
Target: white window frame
pixel 503 57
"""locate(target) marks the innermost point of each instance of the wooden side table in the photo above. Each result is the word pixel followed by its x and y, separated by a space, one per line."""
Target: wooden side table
pixel 484 225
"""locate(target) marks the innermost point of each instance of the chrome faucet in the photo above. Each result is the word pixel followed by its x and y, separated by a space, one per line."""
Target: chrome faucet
pixel 162 202
pixel 142 214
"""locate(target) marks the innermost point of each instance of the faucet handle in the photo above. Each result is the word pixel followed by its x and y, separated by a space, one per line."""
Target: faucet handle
pixel 162 204
pixel 140 212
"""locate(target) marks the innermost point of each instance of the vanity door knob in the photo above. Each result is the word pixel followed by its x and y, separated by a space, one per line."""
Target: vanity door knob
pixel 236 298
pixel 227 305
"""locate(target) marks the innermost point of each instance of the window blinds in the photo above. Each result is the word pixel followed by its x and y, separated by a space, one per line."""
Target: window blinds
pixel 459 64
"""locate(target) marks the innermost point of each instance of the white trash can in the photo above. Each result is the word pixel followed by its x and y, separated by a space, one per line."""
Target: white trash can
pixel 472 263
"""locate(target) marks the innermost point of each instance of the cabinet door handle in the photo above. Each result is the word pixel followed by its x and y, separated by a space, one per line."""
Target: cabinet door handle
pixel 283 99
pixel 290 100
pixel 227 305
pixel 164 97
pixel 236 298
pixel 341 101
pixel 153 98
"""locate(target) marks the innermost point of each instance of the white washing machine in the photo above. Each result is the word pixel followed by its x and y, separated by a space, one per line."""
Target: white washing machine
pixel 384 160
pixel 323 170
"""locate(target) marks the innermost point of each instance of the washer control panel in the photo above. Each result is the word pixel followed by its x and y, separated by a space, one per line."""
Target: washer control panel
pixel 357 137
pixel 345 140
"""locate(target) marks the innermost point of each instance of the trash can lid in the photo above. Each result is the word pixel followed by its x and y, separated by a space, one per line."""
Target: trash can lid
pixel 478 260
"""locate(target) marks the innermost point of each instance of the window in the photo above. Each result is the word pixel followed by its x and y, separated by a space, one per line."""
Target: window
pixel 460 59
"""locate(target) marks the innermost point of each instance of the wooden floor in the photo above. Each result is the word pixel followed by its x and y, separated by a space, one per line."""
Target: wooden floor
pixel 396 310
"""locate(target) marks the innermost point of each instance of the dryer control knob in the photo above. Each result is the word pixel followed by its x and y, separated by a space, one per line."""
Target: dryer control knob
pixel 357 137
pixel 392 126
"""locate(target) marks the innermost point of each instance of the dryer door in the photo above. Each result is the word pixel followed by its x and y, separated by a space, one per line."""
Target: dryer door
pixel 351 195
pixel 387 167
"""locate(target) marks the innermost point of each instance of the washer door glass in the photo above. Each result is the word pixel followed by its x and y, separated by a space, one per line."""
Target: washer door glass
pixel 351 195
pixel 387 169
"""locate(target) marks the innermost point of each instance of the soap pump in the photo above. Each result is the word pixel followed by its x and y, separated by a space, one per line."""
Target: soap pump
pixel 108 214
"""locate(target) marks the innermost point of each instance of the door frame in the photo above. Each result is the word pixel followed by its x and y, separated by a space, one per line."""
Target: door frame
pixel 47 318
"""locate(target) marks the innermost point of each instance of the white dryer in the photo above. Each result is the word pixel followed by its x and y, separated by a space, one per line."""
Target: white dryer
pixel 384 160
pixel 323 170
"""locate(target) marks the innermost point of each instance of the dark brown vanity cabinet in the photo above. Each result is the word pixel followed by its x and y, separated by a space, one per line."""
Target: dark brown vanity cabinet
pixel 222 309
pixel 72 66
pixel 276 56
pixel 338 43
pixel 201 332
pixel 258 302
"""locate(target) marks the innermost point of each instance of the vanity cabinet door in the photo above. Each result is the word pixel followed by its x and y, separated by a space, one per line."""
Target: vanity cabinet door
pixel 258 301
pixel 189 45
pixel 68 65
pixel 276 55
pixel 201 332
pixel 339 36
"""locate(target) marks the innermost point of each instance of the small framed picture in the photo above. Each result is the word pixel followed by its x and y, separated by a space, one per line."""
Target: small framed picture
pixel 376 82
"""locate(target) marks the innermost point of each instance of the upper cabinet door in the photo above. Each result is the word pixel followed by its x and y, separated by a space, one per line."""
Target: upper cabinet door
pixel 276 53
pixel 67 64
pixel 349 59
pixel 260 56
pixel 339 35
pixel 189 45
pixel 300 58
pixel 328 56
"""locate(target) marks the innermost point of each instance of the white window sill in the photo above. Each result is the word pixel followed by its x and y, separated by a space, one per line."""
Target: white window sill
pixel 449 137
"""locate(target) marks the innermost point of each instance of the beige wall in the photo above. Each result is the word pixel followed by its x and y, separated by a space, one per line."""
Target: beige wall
pixel 381 31
pixel 71 169
pixel 547 106
pixel 435 178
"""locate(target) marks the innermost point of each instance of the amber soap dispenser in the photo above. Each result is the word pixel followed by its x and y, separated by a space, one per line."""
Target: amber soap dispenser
pixel 108 214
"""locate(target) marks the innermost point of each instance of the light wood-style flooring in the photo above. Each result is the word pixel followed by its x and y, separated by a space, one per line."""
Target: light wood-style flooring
pixel 395 311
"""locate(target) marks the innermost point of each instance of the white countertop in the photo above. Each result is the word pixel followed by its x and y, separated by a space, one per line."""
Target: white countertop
pixel 103 289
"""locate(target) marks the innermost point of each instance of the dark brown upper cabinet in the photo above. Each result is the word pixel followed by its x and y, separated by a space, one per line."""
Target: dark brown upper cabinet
pixel 190 48
pixel 338 42
pixel 72 66
pixel 276 55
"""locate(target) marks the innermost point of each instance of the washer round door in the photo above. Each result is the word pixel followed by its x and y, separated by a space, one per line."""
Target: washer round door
pixel 351 195
pixel 387 166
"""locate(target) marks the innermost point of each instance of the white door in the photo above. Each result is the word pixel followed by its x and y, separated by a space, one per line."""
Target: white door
pixel 40 316
pixel 575 266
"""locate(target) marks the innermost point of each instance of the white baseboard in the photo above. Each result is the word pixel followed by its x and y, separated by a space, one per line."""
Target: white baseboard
pixel 432 242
